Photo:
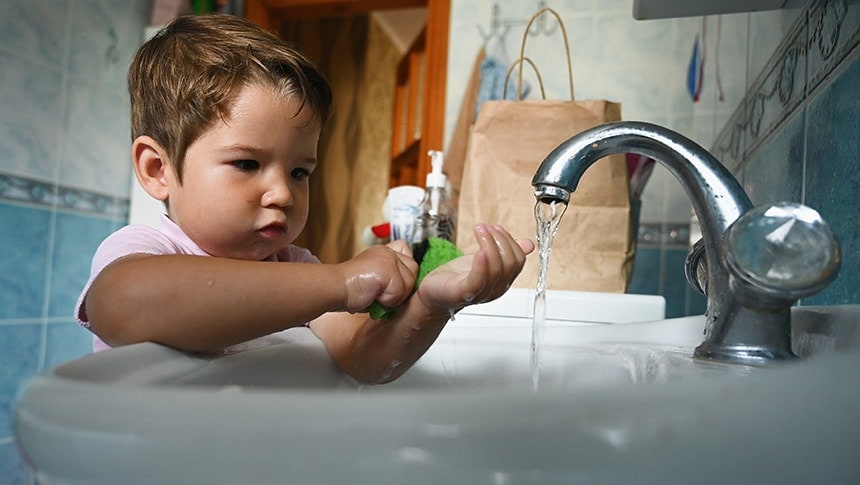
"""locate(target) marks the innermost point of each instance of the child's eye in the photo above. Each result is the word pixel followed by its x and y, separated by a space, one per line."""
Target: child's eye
pixel 246 165
pixel 300 173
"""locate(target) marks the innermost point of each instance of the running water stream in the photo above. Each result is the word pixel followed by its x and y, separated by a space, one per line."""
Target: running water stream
pixel 547 216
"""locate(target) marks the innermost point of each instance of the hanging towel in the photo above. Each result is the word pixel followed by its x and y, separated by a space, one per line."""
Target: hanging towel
pixel 696 68
pixel 694 72
pixel 494 69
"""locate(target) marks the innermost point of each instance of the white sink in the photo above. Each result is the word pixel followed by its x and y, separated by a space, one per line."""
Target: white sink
pixel 616 402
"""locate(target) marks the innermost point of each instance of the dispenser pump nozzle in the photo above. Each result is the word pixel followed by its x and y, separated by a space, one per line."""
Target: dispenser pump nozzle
pixel 436 178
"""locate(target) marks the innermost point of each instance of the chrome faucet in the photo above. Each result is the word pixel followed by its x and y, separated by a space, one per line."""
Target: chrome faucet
pixel 751 264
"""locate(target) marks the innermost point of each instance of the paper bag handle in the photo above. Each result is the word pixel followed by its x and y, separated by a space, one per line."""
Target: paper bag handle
pixel 516 63
pixel 566 50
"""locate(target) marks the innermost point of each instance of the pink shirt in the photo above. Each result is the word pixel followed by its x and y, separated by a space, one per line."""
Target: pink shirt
pixel 169 239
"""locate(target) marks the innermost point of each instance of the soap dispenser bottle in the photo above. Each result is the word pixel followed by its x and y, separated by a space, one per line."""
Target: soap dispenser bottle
pixel 436 215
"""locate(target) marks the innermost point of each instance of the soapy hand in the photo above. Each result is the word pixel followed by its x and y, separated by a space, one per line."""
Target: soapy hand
pixel 373 350
pixel 383 273
pixel 479 277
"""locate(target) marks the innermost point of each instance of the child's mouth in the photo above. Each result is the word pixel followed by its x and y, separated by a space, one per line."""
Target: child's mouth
pixel 273 231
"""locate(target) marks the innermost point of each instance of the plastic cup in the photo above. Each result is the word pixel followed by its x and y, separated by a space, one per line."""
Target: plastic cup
pixel 403 202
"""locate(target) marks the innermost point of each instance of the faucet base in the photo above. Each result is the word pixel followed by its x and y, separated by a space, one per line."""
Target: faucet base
pixel 751 355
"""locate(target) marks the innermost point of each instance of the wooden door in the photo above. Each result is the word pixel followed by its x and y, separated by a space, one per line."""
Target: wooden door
pixel 419 119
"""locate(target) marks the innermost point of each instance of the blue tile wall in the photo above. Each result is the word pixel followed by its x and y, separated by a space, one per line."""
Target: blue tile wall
pixel 20 360
pixel 774 173
pixel 658 268
pixel 832 176
pixel 76 237
pixel 64 178
pixel 21 347
pixel 12 468
pixel 25 242
pixel 645 279
pixel 675 283
pixel 65 340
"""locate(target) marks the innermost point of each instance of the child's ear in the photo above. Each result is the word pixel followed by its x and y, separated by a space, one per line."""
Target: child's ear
pixel 151 166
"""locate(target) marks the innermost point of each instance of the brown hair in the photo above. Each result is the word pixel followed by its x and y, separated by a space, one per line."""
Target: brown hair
pixel 188 75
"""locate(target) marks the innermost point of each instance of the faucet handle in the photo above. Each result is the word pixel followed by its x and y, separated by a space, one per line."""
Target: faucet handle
pixel 782 252
pixel 696 268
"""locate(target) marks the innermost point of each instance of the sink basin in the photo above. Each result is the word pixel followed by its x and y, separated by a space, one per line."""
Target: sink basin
pixel 617 400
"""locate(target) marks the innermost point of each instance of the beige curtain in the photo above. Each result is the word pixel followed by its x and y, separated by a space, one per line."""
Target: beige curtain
pixel 349 187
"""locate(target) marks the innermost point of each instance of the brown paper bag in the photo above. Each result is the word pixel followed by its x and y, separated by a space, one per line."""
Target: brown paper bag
pixel 594 247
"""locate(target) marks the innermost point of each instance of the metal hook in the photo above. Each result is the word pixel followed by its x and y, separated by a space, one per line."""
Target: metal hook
pixel 541 26
pixel 495 23
pixel 500 27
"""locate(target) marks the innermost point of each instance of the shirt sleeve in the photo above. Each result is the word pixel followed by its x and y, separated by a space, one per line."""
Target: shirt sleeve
pixel 124 242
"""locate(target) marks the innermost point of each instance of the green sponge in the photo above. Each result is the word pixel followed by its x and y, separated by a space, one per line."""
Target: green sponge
pixel 429 254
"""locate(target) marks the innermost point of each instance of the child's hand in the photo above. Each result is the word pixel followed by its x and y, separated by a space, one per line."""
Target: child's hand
pixel 383 273
pixel 479 277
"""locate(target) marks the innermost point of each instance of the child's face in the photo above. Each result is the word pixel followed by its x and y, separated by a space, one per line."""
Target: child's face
pixel 244 191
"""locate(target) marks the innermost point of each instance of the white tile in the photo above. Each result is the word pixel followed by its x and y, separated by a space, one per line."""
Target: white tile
pixel 766 33
pixel 35 29
pixel 729 53
pixel 614 7
pixel 104 37
pixel 96 146
pixel 678 205
pixel 654 196
pixel 704 130
pixel 30 121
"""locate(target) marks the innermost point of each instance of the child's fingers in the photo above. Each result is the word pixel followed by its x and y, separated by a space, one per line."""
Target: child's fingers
pixel 386 274
pixel 515 254
pixel 487 240
pixel 476 280
pixel 490 247
pixel 505 259
pixel 512 253
pixel 527 246
pixel 408 266
pixel 400 246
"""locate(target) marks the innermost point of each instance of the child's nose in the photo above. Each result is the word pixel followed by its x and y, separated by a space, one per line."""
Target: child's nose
pixel 278 195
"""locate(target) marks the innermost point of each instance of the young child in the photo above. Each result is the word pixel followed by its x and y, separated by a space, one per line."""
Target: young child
pixel 225 123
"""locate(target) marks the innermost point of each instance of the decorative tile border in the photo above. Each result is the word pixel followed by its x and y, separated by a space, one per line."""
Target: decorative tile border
pixel 834 31
pixel 28 191
pixel 826 32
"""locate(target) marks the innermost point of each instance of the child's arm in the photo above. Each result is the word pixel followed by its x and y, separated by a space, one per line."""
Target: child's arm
pixel 377 351
pixel 203 303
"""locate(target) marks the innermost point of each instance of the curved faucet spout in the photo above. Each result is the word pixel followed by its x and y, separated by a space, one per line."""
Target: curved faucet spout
pixel 716 196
